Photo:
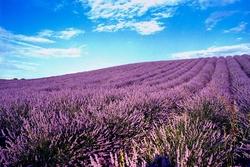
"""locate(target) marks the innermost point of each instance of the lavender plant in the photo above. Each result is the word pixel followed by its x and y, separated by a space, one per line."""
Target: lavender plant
pixel 181 113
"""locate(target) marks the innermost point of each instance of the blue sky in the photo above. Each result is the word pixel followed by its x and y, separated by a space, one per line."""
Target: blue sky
pixel 40 38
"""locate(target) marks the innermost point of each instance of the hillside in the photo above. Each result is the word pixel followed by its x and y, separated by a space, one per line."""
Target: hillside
pixel 80 119
pixel 227 77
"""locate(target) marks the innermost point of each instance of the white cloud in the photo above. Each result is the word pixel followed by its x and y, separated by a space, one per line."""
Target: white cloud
pixel 14 55
pixel 240 28
pixel 143 27
pixel 25 38
pixel 17 49
pixel 17 65
pixel 167 13
pixel 59 6
pixel 111 28
pixel 55 52
pixel 67 33
pixel 216 17
pixel 230 50
pixel 34 39
pixel 46 33
pixel 117 15
pixel 148 27
pixel 123 9
pixel 24 50
pixel 123 14
pixel 18 46
pixel 211 3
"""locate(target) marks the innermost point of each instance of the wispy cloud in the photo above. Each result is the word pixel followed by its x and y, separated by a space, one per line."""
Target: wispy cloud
pixel 17 65
pixel 239 28
pixel 34 39
pixel 214 18
pixel 19 46
pixel 67 33
pixel 230 50
pixel 46 33
pixel 22 45
pixel 211 3
pixel 59 6
pixel 148 27
pixel 166 13
pixel 54 52
pixel 9 68
pixel 121 9
pixel 4 34
pixel 44 36
pixel 111 28
pixel 143 27
pixel 14 48
pixel 120 14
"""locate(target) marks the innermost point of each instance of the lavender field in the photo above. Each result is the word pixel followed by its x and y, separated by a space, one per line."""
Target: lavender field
pixel 181 113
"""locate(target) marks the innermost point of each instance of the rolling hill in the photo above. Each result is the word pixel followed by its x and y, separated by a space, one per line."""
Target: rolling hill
pixel 189 112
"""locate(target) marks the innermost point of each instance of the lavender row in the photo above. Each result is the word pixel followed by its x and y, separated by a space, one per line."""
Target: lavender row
pixel 188 90
pixel 167 71
pixel 219 86
pixel 170 73
pixel 181 79
pixel 244 63
pixel 240 86
pixel 137 76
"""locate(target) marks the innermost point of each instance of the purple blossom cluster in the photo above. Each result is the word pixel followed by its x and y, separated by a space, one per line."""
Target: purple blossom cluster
pixel 92 117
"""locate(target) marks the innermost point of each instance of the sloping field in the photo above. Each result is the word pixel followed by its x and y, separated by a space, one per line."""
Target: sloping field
pixel 187 112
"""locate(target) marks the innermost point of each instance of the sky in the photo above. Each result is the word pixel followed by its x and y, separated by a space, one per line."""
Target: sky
pixel 41 38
